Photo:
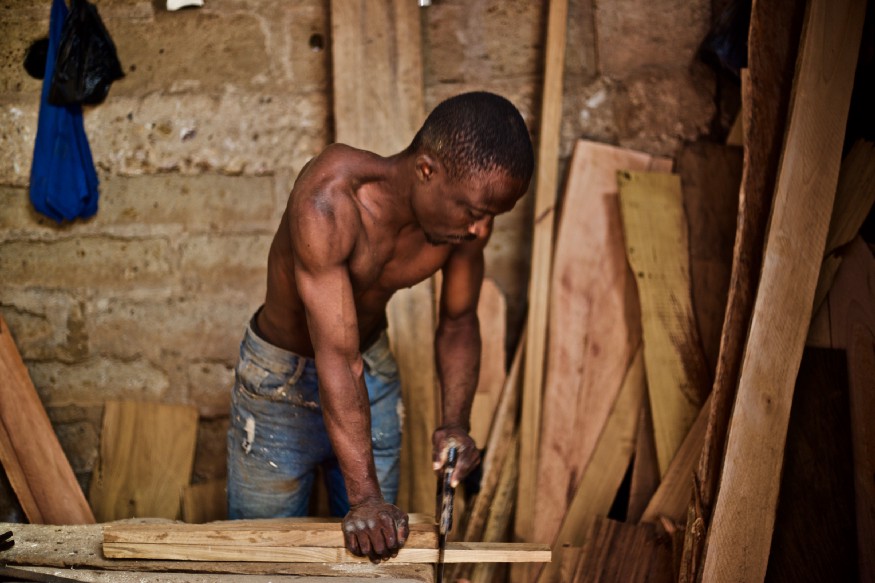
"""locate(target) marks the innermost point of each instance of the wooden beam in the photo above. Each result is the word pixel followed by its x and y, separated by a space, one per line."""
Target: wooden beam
pixel 645 467
pixel 378 106
pixel 38 470
pixel 658 251
pixel 617 552
pixel 594 328
pixel 546 187
pixel 492 313
pixel 797 235
pixel 146 458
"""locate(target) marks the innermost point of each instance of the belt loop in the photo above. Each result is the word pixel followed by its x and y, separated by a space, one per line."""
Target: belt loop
pixel 299 370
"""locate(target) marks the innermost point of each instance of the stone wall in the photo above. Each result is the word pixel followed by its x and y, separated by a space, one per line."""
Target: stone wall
pixel 197 148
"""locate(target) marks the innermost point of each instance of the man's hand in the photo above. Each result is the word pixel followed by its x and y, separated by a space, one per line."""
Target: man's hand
pixel 469 456
pixel 375 529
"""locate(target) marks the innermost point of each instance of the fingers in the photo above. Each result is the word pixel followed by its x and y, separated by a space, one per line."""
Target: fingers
pixel 468 460
pixel 378 537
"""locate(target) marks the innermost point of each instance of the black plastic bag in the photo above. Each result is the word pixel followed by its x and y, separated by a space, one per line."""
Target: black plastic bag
pixel 87 62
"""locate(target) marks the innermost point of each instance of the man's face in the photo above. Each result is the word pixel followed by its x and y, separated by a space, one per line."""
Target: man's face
pixel 454 211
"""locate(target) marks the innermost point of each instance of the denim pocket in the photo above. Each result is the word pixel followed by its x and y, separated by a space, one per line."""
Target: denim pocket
pixel 262 382
pixel 380 362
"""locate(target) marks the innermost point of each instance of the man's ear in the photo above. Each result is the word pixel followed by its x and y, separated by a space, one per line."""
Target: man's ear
pixel 425 167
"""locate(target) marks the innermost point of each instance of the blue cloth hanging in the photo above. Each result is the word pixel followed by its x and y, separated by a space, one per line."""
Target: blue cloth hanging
pixel 63 182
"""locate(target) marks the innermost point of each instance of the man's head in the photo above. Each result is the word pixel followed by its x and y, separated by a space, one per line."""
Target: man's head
pixel 477 132
pixel 474 160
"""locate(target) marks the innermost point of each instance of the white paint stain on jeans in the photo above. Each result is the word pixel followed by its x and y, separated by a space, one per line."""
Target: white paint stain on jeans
pixel 250 434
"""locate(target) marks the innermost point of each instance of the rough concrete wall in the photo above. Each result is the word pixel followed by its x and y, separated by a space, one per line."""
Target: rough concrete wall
pixel 198 146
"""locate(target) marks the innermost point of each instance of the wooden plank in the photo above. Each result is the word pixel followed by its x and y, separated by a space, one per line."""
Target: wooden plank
pixel 259 533
pixel 850 308
pixel 673 494
pixel 657 248
pixel 710 178
pixel 457 552
pixel 146 457
pixel 492 313
pixel 855 195
pixel 546 187
pixel 796 239
pixel 594 327
pixel 500 512
pixel 35 464
pixel 378 106
pixel 645 467
pixel 607 467
pixel 205 502
pixel 809 544
pixel 617 552
pixel 95 576
pixel 80 547
pixel 498 446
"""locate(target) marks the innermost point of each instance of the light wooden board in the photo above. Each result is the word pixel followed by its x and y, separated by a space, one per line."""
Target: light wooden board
pixel 455 553
pixel 378 106
pixel 657 247
pixel 710 178
pixel 93 576
pixel 492 313
pixel 645 467
pixel 274 533
pixel 798 226
pixel 594 326
pixel 607 466
pixel 146 457
pixel 30 452
pixel 80 547
pixel 546 187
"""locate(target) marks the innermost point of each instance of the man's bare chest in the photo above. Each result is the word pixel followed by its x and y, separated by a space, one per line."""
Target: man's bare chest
pixel 389 266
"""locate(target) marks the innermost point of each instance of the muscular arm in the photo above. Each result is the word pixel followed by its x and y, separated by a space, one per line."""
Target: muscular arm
pixel 323 232
pixel 457 354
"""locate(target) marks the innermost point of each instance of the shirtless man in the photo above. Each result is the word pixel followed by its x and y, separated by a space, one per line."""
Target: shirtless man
pixel 357 228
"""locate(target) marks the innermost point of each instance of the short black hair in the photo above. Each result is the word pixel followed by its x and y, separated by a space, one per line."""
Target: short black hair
pixel 477 132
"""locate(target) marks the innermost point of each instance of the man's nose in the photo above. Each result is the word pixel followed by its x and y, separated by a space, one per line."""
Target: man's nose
pixel 479 228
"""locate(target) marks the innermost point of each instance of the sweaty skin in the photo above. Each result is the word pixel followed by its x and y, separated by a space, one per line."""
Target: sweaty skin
pixel 357 228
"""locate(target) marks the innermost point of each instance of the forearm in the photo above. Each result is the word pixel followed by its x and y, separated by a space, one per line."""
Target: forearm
pixel 346 411
pixel 457 354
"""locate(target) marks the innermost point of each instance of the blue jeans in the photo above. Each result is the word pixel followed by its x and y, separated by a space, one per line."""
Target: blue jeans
pixel 277 437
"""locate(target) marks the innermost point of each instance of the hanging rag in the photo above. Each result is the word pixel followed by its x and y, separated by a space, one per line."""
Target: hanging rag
pixel 63 182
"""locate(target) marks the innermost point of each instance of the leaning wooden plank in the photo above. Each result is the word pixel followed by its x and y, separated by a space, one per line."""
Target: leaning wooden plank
pixel 80 547
pixel 455 553
pixel 546 187
pixel 645 467
pixel 710 178
pixel 854 198
pixel 500 513
pixel 254 533
pixel 617 552
pixel 492 313
pixel 497 447
pixel 851 308
pixel 205 502
pixel 594 327
pixel 30 452
pixel 604 473
pixel 657 248
pixel 798 226
pixel 378 106
pixel 809 544
pixel 671 497
pixel 146 457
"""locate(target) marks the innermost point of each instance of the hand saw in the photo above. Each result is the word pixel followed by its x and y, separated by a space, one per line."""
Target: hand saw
pixel 447 493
